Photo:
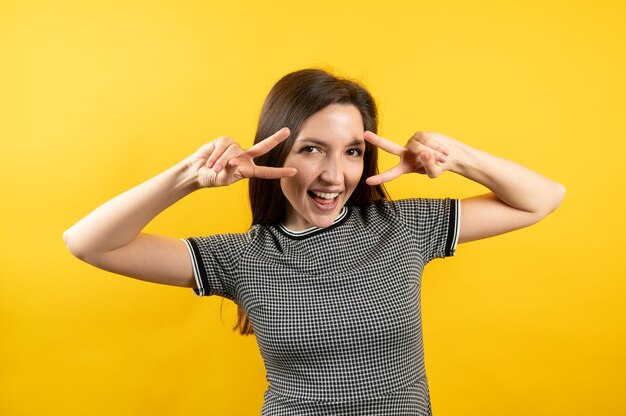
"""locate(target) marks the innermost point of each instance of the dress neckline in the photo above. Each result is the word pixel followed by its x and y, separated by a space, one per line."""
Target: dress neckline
pixel 299 235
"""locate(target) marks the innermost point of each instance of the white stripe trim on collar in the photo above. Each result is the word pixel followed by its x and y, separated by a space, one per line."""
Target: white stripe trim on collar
pixel 342 214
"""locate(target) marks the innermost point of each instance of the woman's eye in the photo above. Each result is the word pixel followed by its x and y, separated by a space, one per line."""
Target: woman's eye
pixel 354 152
pixel 309 149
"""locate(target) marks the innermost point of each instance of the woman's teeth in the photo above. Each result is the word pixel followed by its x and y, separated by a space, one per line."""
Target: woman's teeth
pixel 325 195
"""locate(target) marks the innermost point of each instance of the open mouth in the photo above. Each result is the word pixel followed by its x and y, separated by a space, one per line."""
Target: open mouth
pixel 324 200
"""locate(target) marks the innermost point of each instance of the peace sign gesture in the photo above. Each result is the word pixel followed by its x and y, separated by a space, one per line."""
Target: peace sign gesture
pixel 223 162
pixel 424 153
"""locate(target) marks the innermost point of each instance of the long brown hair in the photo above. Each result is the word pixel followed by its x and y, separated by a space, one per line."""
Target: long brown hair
pixel 292 100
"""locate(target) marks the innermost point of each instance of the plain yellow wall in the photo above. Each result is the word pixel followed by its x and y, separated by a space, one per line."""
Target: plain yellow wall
pixel 97 96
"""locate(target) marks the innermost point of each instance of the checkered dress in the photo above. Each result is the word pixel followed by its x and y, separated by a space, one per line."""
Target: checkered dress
pixel 336 311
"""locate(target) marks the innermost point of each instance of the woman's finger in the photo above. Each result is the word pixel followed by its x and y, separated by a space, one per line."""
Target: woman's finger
pixel 218 147
pixel 417 147
pixel 426 139
pixel 386 145
pixel 231 152
pixel 265 172
pixel 429 164
pixel 206 177
pixel 268 144
pixel 386 176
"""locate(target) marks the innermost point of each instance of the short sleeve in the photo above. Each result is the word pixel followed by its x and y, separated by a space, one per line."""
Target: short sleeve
pixel 434 223
pixel 215 260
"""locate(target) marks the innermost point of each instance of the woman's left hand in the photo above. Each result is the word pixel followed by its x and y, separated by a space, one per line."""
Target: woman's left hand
pixel 427 153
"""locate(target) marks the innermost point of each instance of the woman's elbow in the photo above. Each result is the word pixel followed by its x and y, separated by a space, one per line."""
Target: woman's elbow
pixel 68 241
pixel 557 196
pixel 552 200
pixel 78 250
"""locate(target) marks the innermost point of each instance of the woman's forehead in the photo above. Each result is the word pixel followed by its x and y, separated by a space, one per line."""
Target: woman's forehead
pixel 335 120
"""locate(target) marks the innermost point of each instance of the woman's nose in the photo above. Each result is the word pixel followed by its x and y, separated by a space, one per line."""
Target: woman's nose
pixel 332 171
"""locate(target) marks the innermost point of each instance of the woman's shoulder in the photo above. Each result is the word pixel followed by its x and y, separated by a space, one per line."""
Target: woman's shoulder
pixel 411 207
pixel 394 204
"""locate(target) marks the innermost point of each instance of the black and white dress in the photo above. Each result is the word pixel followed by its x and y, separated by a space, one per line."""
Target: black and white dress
pixel 336 311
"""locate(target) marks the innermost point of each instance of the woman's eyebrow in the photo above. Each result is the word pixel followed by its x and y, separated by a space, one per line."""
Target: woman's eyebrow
pixel 319 142
pixel 357 142
pixel 312 140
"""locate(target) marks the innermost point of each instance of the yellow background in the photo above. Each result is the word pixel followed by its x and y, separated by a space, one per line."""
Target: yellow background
pixel 96 97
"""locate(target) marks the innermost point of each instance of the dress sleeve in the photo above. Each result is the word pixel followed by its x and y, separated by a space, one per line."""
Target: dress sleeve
pixel 215 260
pixel 435 224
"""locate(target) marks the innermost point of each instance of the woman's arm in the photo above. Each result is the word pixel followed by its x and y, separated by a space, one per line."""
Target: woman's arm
pixel 519 196
pixel 110 237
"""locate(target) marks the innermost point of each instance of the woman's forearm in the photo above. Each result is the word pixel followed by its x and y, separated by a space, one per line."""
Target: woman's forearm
pixel 515 185
pixel 118 221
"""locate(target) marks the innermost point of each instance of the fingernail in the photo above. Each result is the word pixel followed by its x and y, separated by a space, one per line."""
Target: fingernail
pixel 210 164
pixel 217 168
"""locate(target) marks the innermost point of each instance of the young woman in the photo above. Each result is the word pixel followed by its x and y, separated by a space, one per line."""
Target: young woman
pixel 328 276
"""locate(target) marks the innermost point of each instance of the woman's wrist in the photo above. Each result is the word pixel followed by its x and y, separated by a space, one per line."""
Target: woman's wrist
pixel 464 160
pixel 185 177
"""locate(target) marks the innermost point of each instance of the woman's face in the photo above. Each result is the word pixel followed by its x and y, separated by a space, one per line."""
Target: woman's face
pixel 328 154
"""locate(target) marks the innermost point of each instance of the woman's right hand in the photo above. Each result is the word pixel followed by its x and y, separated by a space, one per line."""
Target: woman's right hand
pixel 223 162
